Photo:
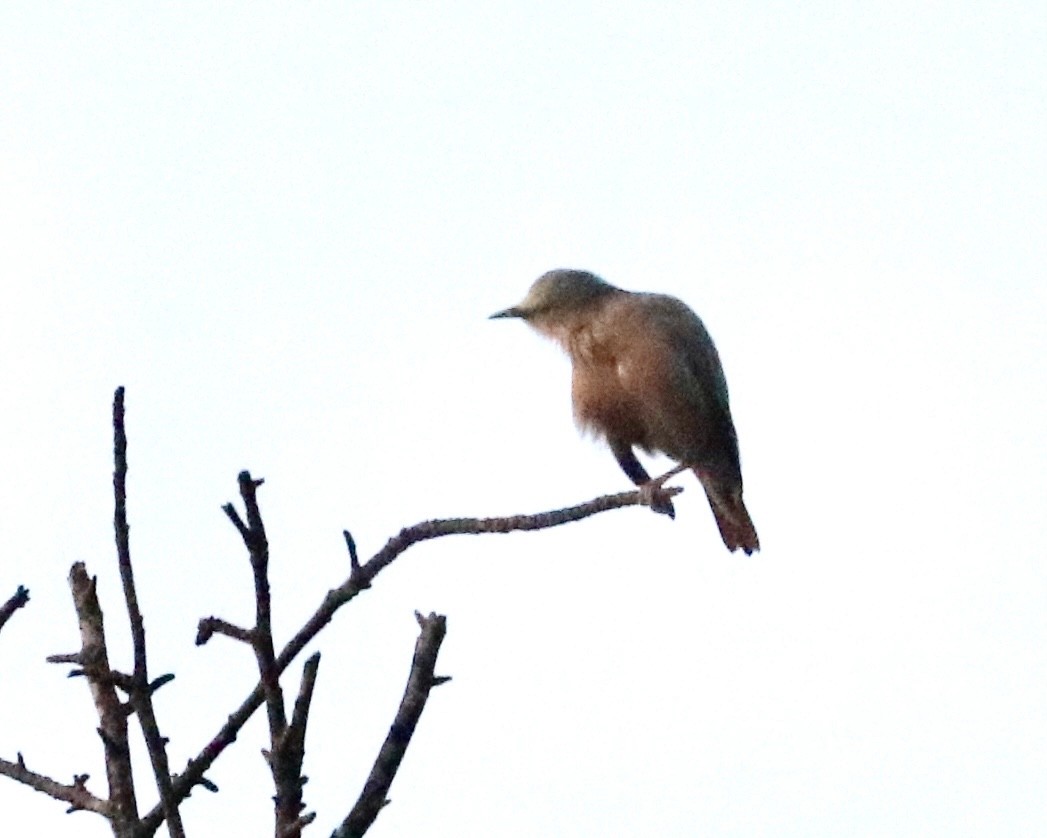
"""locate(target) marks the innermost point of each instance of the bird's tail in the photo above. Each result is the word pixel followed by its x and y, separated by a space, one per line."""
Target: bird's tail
pixel 732 518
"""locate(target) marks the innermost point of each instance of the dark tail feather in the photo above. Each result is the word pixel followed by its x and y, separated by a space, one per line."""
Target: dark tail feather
pixel 736 527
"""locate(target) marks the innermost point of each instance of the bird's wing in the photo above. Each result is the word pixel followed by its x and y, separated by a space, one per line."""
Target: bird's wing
pixel 698 370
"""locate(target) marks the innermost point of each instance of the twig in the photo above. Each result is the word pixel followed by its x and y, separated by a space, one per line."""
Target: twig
pixel 257 545
pixel 300 716
pixel 288 755
pixel 18 600
pixel 76 795
pixel 122 531
pixel 140 694
pixel 68 657
pixel 210 626
pixel 420 681
pixel 285 768
pixel 478 526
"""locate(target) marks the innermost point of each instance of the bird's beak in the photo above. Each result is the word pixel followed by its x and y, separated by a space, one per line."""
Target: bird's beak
pixel 508 312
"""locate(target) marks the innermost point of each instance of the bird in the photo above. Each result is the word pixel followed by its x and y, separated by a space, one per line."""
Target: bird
pixel 646 374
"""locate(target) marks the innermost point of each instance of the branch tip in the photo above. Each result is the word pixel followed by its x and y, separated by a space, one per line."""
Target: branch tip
pixel 159 682
pixel 234 516
pixel 247 482
pixel 67 657
pixel 17 600
pixel 350 543
pixel 420 681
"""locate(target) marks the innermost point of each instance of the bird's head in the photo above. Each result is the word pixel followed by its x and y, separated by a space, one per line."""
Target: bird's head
pixel 559 294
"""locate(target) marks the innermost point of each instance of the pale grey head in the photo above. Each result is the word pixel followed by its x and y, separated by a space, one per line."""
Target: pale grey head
pixel 559 291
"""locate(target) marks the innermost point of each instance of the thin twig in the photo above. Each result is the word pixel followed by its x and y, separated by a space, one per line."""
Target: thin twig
pixel 140 696
pixel 122 531
pixel 210 626
pixel 420 681
pixel 66 657
pixel 285 769
pixel 300 716
pixel 262 636
pixel 76 795
pixel 18 600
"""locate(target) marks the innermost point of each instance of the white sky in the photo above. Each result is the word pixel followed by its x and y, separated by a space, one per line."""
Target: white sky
pixel 282 229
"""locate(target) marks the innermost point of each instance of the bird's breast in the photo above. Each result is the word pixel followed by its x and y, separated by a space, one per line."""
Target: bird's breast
pixel 602 405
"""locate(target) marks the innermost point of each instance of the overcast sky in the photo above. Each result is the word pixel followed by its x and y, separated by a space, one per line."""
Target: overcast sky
pixel 282 229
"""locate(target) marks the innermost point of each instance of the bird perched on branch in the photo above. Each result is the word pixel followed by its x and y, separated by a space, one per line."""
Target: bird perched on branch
pixel 645 374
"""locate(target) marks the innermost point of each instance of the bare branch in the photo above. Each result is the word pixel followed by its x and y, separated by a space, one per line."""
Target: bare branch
pixel 111 715
pixel 287 756
pixel 156 744
pixel 285 761
pixel 18 600
pixel 140 692
pixel 76 795
pixel 70 657
pixel 196 767
pixel 234 516
pixel 478 526
pixel 420 681
pixel 262 635
pixel 156 683
pixel 210 626
pixel 300 716
pixel 122 531
pixel 350 544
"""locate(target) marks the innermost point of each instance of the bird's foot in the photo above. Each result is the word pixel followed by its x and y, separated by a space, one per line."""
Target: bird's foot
pixel 654 495
pixel 659 499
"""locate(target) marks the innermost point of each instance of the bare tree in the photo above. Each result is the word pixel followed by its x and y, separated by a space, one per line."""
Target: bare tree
pixel 119 695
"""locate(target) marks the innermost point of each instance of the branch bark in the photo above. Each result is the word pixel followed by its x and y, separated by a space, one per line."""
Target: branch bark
pixel 420 681
pixel 140 694
pixel 76 795
pixel 288 756
pixel 111 715
pixel 287 744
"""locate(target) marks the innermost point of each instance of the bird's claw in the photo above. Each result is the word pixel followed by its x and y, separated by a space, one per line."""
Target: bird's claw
pixel 652 494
